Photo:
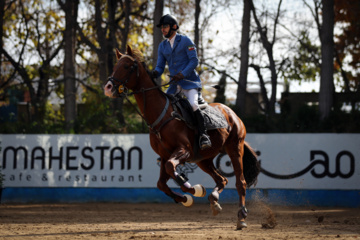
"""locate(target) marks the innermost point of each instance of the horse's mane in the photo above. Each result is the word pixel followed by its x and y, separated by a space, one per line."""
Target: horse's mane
pixel 137 54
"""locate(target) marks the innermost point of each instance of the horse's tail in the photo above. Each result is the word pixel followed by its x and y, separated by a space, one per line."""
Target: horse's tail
pixel 251 165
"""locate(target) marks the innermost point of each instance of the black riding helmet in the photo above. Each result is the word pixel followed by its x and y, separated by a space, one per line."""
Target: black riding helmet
pixel 168 19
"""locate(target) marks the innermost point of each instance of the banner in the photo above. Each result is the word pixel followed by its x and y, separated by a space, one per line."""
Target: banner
pixel 288 161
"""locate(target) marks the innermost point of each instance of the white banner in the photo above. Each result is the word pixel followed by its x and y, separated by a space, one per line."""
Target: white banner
pixel 308 161
pixel 288 161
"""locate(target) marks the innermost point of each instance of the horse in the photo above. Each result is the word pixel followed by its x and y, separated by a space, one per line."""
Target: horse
pixel 173 140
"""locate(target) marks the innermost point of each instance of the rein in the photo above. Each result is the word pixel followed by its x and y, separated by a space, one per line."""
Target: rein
pixel 124 91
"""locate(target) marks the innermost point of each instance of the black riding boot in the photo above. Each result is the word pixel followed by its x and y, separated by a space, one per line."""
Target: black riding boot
pixel 201 100
pixel 204 140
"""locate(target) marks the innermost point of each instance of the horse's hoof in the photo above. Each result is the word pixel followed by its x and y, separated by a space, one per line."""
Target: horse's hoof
pixel 200 191
pixel 215 208
pixel 241 225
pixel 189 201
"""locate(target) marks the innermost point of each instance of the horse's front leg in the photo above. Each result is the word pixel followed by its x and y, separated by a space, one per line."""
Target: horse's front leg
pixel 180 156
pixel 162 185
pixel 186 199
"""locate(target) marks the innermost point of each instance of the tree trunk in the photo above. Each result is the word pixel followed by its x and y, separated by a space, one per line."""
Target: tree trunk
pixel 111 41
pixel 71 8
pixel 2 12
pixel 273 82
pixel 126 29
pixel 240 103
pixel 268 46
pixel 220 92
pixel 157 35
pixel 197 30
pixel 118 103
pixel 327 59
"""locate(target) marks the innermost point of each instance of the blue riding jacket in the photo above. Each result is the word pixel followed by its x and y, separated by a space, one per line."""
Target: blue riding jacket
pixel 181 58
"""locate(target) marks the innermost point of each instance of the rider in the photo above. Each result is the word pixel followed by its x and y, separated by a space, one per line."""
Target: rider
pixel 180 54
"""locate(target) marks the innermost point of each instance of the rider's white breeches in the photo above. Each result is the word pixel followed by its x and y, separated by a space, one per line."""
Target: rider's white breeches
pixel 191 95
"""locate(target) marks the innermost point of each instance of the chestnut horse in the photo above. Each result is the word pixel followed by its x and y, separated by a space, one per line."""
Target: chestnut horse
pixel 173 140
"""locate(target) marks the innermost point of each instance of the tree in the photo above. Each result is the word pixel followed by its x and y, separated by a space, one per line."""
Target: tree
pixel 268 45
pixel 326 34
pixel 197 16
pixel 244 59
pixel 157 35
pixel 326 93
pixel 346 43
pixel 306 63
pixel 109 27
pixel 104 41
pixel 70 8
pixel 220 93
pixel 2 13
pixel 32 29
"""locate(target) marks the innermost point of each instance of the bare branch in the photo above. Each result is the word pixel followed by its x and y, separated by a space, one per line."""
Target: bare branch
pixel 276 21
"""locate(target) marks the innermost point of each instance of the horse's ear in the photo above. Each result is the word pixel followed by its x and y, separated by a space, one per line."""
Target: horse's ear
pixel 128 50
pixel 118 54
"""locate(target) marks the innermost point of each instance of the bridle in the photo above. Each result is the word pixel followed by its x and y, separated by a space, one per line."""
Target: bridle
pixel 122 90
pixel 120 85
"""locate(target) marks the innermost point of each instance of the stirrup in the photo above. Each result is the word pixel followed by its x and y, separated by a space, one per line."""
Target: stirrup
pixel 204 142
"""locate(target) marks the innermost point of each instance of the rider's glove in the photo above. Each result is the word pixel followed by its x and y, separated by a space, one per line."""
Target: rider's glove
pixel 154 74
pixel 178 77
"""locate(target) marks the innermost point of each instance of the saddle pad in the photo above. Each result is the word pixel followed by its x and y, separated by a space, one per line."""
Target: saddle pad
pixel 214 118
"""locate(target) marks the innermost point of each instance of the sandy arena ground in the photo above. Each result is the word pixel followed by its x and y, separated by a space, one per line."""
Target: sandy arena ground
pixel 173 221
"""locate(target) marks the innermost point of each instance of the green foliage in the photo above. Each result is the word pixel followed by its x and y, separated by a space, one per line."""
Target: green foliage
pixel 347 41
pixel 95 116
pixel 305 65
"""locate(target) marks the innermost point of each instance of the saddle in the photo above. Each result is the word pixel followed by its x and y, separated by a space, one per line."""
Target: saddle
pixel 183 111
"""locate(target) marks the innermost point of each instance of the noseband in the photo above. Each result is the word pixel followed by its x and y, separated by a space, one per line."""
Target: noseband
pixel 120 85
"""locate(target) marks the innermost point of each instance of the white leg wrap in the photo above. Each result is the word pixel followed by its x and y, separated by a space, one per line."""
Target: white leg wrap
pixel 189 201
pixel 199 190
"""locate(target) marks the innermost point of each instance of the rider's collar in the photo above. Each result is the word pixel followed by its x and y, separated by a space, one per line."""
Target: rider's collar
pixel 171 41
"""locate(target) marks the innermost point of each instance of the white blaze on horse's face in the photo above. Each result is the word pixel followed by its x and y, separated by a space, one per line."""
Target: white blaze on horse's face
pixel 109 90
pixel 108 87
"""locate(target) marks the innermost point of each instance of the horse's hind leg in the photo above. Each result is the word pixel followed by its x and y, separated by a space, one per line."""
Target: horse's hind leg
pixel 236 153
pixel 221 181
